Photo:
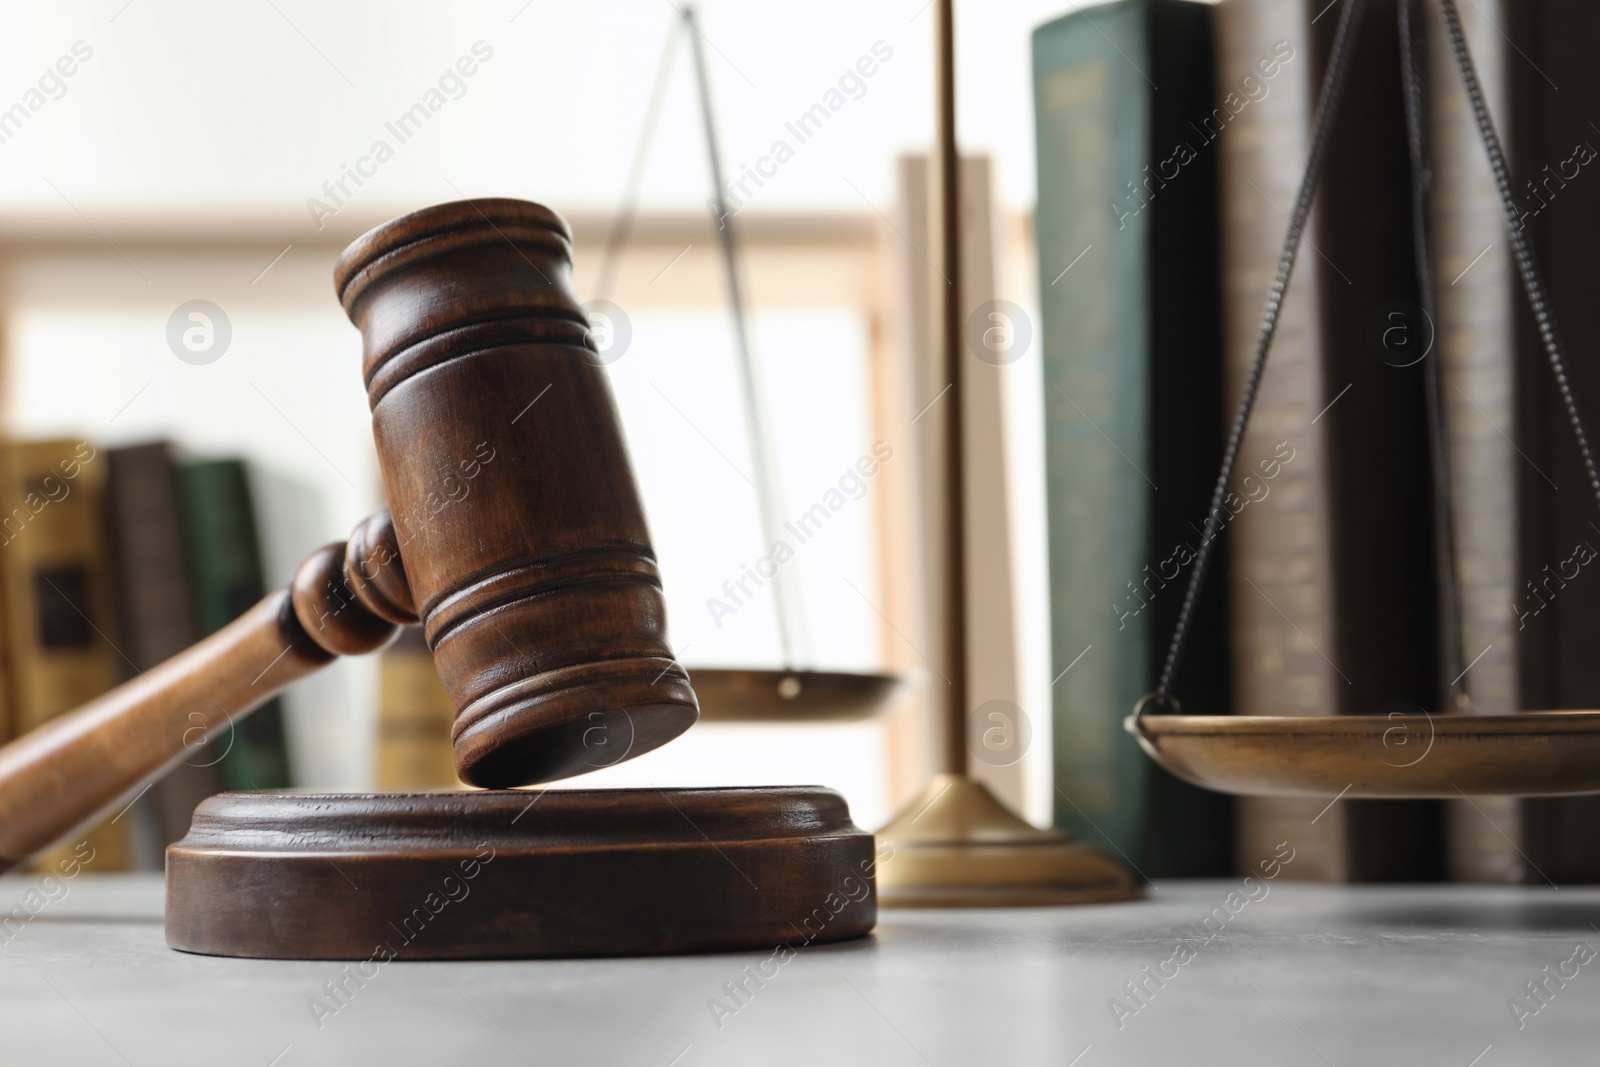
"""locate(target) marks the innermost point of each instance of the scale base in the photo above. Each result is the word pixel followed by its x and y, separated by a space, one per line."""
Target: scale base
pixel 959 847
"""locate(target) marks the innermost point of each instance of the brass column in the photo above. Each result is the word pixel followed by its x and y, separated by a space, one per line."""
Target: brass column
pixel 957 845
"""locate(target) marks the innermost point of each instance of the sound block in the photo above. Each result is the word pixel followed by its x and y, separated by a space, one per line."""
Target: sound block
pixel 518 873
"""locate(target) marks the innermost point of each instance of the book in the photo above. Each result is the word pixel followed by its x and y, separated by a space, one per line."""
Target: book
pixel 156 620
pixel 1552 621
pixel 59 622
pixel 1130 330
pixel 910 514
pixel 1331 571
pixel 1530 622
pixel 415 715
pixel 1475 341
pixel 226 571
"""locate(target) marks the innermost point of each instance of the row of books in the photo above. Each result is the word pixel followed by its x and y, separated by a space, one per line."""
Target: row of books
pixel 1326 600
pixel 112 560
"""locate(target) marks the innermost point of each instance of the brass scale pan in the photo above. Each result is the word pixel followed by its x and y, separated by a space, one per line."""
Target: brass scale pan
pixel 1531 753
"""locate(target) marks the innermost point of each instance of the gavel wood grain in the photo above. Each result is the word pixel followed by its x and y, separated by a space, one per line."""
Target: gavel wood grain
pixel 524 540
pixel 515 537
pixel 508 873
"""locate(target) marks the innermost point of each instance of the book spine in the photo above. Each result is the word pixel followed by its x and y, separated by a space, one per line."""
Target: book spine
pixel 1475 342
pixel 227 574
pixel 415 715
pixel 1334 589
pixel 1188 830
pixel 1279 546
pixel 1092 113
pixel 1123 183
pixel 58 604
pixel 155 616
pixel 1554 146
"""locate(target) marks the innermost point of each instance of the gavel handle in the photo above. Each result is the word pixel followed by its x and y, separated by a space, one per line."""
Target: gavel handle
pixel 346 598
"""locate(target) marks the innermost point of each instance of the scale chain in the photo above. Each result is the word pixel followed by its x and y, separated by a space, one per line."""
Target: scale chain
pixel 1327 107
pixel 1522 251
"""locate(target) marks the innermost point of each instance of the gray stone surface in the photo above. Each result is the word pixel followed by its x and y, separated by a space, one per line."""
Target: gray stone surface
pixel 1304 975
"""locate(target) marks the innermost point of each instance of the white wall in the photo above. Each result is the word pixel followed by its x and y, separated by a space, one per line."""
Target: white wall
pixel 199 112
pixel 195 102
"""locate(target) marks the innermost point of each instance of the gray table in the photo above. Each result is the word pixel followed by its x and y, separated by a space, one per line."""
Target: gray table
pixel 1306 975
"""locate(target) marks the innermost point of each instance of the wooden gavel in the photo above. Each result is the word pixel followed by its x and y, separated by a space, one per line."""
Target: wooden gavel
pixel 514 535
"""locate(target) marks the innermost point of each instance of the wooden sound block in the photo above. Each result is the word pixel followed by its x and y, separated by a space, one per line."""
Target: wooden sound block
pixel 518 873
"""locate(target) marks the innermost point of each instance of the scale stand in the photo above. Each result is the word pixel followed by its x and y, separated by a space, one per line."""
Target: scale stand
pixel 1531 753
pixel 748 694
pixel 956 845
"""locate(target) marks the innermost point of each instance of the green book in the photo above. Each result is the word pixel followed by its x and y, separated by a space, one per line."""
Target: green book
pixel 225 566
pixel 1132 360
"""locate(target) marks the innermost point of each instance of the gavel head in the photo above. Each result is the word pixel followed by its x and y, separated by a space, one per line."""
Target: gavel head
pixel 521 539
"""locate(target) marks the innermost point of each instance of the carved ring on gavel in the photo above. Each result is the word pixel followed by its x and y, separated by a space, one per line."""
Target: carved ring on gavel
pixel 515 537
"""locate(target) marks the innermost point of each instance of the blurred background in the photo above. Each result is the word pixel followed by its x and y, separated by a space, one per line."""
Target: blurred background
pixel 203 152
pixel 186 417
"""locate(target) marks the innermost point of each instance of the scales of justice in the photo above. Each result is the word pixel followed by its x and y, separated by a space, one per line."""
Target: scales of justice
pixel 1530 753
pixel 540 598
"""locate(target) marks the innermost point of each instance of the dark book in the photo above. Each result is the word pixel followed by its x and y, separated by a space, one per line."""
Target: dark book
pixel 226 571
pixel 1332 571
pixel 1530 611
pixel 1475 344
pixel 156 620
pixel 1553 142
pixel 1131 334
